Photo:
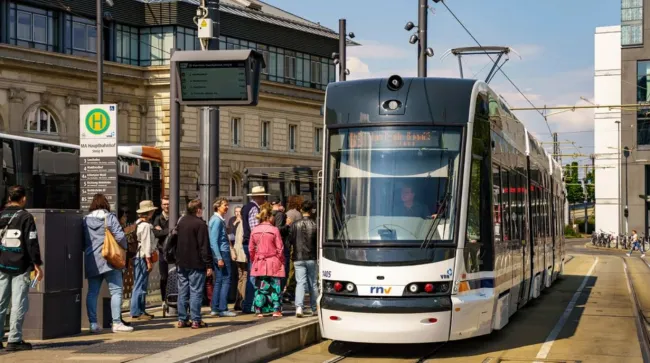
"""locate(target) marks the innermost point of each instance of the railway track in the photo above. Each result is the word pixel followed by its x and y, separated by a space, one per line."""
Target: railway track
pixel 642 323
pixel 349 350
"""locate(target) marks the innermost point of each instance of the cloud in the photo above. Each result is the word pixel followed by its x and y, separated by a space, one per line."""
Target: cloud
pixel 527 51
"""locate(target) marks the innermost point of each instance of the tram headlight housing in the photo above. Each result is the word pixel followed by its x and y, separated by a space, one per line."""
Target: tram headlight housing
pixel 339 287
pixel 428 288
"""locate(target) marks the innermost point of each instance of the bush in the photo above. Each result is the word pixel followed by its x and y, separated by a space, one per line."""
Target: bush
pixel 569 232
pixel 591 225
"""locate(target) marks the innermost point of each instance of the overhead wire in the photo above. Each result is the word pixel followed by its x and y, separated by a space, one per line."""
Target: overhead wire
pixel 499 68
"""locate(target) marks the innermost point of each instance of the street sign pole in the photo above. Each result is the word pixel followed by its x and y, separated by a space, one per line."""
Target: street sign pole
pixel 98 153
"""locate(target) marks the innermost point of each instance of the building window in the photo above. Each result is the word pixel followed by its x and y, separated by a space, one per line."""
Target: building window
pixel 41 121
pixel 318 139
pixel 287 66
pixel 81 36
pixel 643 97
pixel 235 127
pixel 186 39
pixel 293 133
pixel 266 135
pixel 32 27
pixel 234 187
pixel 631 22
pixel 127 39
pixel 157 42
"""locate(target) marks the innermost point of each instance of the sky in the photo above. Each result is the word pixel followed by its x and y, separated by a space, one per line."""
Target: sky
pixel 555 39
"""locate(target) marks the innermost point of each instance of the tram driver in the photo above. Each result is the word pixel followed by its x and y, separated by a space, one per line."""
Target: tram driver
pixel 411 207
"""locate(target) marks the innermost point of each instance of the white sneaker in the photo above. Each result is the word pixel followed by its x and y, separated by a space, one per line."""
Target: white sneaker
pixel 628 255
pixel 299 312
pixel 121 328
pixel 643 255
pixel 95 328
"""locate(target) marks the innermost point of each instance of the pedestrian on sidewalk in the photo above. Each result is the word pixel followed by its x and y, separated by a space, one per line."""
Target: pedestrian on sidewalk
pixel 194 262
pixel 266 252
pixel 249 221
pixel 143 261
pixel 97 268
pixel 239 257
pixel 220 246
pixel 636 244
pixel 161 230
pixel 305 247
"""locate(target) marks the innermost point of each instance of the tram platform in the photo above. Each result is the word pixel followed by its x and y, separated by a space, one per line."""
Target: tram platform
pixel 244 338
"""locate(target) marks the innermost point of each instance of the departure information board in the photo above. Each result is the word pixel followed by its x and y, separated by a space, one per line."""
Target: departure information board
pixel 213 80
pixel 373 139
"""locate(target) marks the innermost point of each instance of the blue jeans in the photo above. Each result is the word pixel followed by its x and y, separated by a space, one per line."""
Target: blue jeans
pixel 17 288
pixel 638 245
pixel 115 284
pixel 190 287
pixel 221 284
pixel 140 287
pixel 247 305
pixel 306 272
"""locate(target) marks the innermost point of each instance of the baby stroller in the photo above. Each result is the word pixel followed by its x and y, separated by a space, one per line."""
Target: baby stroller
pixel 171 300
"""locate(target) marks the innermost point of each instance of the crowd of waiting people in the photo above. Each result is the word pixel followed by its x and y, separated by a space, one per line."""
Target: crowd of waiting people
pixel 267 247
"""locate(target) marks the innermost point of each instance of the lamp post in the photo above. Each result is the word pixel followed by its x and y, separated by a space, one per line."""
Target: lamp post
pixel 341 56
pixel 618 164
pixel 626 153
pixel 100 48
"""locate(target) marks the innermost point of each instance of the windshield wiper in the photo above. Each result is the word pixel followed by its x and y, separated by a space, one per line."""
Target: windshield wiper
pixel 443 207
pixel 340 225
pixel 436 222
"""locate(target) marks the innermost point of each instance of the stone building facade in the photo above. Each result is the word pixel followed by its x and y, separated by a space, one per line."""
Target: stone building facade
pixel 45 74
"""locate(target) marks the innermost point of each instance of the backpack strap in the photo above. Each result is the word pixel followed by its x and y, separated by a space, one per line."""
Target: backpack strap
pixel 4 230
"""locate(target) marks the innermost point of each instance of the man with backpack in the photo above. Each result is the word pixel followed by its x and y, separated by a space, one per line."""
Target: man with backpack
pixel 19 257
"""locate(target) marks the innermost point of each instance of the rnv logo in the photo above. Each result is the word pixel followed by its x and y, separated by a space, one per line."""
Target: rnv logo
pixel 380 290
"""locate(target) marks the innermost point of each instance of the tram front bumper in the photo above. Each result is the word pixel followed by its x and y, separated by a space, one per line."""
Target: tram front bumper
pixel 386 320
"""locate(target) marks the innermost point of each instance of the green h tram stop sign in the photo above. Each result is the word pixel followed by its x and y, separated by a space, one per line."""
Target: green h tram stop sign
pixel 217 78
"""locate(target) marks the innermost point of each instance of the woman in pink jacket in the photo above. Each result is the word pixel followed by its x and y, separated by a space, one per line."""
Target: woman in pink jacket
pixel 267 258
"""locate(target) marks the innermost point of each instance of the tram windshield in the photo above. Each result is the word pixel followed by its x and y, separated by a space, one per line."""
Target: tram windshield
pixel 392 184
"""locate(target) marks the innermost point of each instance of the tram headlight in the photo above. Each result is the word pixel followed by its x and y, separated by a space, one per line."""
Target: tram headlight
pixel 349 287
pixel 413 288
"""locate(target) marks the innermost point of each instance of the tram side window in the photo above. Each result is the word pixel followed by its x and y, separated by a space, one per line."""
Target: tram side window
pixel 496 202
pixel 505 203
pixel 523 200
pixel 514 205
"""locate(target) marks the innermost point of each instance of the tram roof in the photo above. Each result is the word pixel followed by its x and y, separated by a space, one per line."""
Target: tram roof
pixel 360 101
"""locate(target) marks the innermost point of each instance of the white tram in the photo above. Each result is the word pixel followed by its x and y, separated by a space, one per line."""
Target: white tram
pixel 441 216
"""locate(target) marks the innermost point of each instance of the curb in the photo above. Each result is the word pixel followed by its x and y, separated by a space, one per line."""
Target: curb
pixel 247 345
pixel 590 246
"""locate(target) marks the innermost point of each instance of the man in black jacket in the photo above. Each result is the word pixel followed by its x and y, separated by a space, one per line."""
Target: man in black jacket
pixel 194 263
pixel 20 255
pixel 303 238
pixel 161 230
pixel 281 224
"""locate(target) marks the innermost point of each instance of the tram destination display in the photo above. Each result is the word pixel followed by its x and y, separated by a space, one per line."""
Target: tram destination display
pixel 98 153
pixel 217 78
pixel 213 80
pixel 373 139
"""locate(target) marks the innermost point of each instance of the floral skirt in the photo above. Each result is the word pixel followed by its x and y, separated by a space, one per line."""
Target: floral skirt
pixel 268 295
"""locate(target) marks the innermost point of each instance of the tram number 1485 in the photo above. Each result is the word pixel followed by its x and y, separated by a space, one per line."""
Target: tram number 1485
pixel 327 274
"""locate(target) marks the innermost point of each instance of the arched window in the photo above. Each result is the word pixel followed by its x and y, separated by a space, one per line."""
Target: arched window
pixel 41 121
pixel 235 187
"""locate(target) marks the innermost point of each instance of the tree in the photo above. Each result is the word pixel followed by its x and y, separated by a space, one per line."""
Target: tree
pixel 575 193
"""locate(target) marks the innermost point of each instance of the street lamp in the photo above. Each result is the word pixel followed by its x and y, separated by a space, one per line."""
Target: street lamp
pixel 341 56
pixel 421 37
pixel 100 48
pixel 626 153
pixel 618 153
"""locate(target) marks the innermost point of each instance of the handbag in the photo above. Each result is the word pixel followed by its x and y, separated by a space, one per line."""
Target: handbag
pixel 112 252
pixel 154 257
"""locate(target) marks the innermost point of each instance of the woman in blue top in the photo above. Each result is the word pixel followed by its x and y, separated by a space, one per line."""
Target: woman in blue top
pixel 220 246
